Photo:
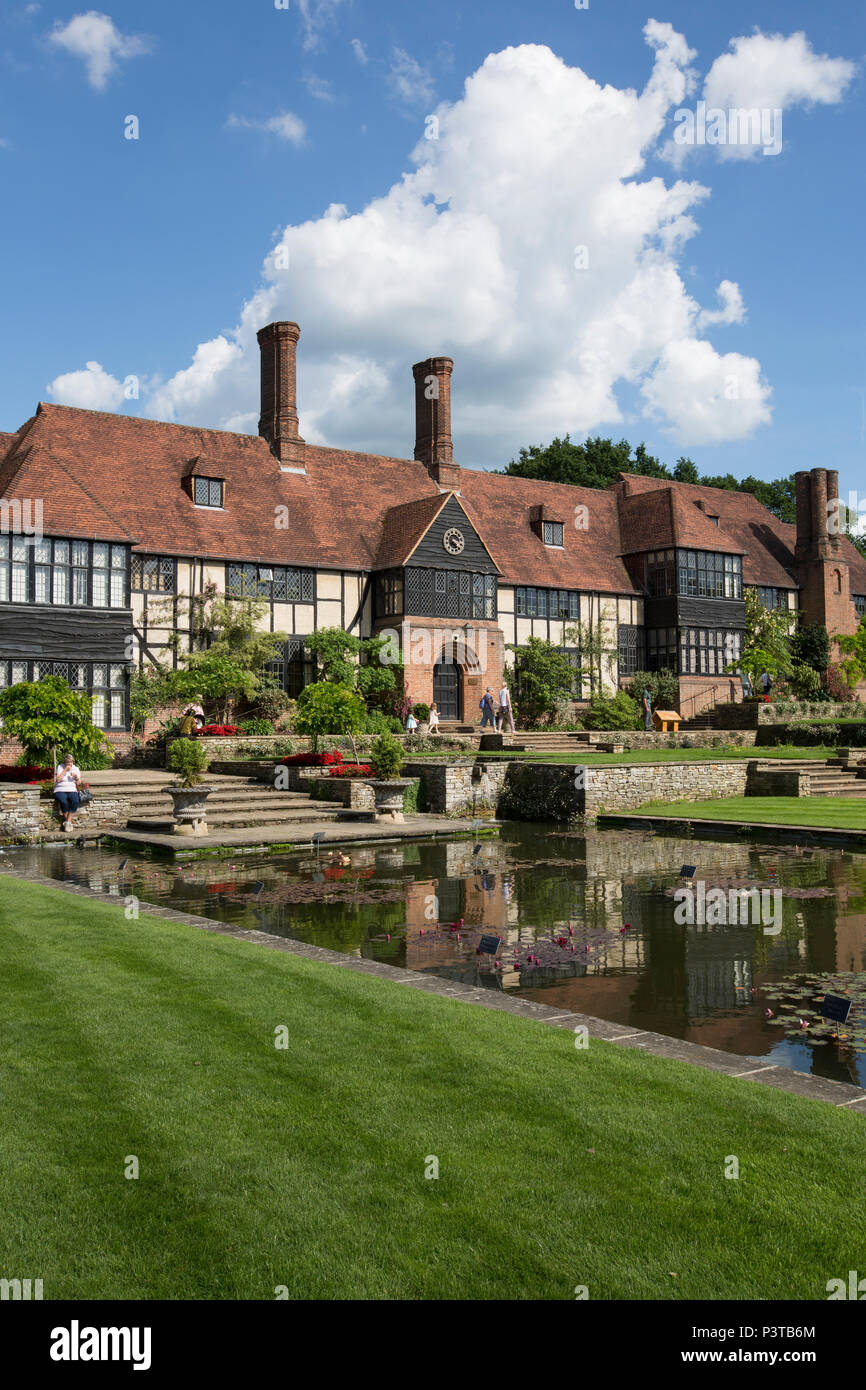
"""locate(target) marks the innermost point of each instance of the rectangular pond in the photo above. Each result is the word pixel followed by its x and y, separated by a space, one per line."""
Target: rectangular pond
pixel 588 922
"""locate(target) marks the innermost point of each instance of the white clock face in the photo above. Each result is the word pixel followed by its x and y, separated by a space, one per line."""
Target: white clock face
pixel 453 541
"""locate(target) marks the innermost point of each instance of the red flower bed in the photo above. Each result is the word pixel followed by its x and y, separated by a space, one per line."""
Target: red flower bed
pixel 9 773
pixel 352 770
pixel 332 759
pixel 216 730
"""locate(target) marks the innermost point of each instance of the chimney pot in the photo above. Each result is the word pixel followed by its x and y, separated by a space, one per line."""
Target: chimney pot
pixel 278 422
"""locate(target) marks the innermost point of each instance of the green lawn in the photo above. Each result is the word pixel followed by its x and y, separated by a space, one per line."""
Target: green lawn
pixel 305 1167
pixel 836 812
pixel 641 755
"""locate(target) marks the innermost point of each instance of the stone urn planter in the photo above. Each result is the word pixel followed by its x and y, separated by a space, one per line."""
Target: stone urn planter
pixel 189 809
pixel 388 796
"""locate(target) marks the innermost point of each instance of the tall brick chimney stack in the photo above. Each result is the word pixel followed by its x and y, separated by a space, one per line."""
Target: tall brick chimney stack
pixel 433 445
pixel 823 571
pixel 278 423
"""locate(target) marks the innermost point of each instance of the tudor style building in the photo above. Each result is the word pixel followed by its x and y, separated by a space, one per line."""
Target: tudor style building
pixel 112 527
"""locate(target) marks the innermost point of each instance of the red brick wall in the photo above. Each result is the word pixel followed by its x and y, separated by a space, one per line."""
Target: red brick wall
pixel 475 677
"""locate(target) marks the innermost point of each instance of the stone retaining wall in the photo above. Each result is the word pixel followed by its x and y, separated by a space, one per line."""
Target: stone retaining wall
pixel 550 791
pixel 768 781
pixel 101 811
pixel 357 795
pixel 229 747
pixel 19 811
pixel 25 814
pixel 625 787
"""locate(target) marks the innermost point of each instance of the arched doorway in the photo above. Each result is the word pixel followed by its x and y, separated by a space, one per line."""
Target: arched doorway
pixel 447 690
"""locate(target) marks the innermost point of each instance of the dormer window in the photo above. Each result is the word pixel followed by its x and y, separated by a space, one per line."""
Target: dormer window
pixel 208 492
pixel 547 526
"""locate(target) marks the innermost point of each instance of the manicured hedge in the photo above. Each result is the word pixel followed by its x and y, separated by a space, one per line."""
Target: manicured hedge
pixel 810 733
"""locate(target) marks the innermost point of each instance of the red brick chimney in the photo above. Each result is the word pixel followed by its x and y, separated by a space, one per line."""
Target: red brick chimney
pixel 278 423
pixel 433 421
pixel 823 572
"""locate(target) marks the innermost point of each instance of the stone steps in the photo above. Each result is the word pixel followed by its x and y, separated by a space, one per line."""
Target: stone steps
pixel 830 778
pixel 239 820
pixel 234 803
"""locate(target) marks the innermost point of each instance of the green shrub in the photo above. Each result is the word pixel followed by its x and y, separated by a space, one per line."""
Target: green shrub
pixel 421 711
pixel 663 686
pixel 189 759
pixel 271 703
pixel 621 712
pixel 375 722
pixel 256 726
pixel 46 716
pixel 805 682
pixel 327 708
pixel 386 757
pixel 810 646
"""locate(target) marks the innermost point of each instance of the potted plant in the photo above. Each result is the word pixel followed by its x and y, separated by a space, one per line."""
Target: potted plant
pixel 421 712
pixel 190 761
pixel 388 786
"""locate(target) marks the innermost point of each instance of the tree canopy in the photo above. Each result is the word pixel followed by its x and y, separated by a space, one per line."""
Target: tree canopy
pixel 597 461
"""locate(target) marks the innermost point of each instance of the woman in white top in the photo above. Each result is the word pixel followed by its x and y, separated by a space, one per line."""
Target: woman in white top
pixel 67 781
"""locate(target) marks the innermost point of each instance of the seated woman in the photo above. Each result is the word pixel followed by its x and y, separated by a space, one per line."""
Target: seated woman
pixel 67 783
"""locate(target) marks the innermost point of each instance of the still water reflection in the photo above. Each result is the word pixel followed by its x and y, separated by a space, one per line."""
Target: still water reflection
pixel 535 883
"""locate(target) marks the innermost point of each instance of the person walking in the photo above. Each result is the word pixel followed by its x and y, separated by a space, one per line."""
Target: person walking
pixel 67 785
pixel 647 706
pixel 487 709
pixel 433 719
pixel 505 710
pixel 411 723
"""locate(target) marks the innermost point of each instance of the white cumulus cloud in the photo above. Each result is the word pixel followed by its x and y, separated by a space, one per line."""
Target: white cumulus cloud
pixel 765 74
pixel 529 243
pixel 191 389
pixel 731 308
pixel 96 40
pixel 360 52
pixel 91 389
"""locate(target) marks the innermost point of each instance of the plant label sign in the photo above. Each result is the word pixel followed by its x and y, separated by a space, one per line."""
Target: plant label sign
pixel 836 1007
pixel 490 944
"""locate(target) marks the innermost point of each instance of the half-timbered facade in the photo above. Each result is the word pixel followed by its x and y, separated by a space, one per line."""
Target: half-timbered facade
pixel 114 528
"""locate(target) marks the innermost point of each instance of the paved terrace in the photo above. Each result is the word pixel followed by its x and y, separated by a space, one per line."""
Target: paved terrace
pixel 248 839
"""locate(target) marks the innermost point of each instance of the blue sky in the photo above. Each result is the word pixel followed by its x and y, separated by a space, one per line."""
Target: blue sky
pixel 154 257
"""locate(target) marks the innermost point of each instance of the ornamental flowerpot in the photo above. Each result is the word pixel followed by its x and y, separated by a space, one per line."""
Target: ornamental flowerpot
pixel 188 806
pixel 388 796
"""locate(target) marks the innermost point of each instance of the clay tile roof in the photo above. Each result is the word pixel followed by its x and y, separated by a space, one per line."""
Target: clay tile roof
pixel 121 476
pixel 404 526
pixel 766 544
pixel 500 506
